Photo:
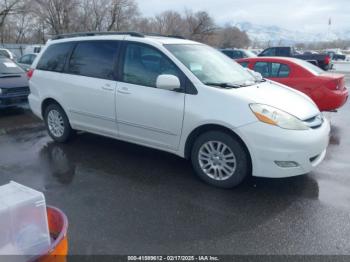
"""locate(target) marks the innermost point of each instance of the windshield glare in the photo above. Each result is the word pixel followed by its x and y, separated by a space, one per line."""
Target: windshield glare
pixel 210 65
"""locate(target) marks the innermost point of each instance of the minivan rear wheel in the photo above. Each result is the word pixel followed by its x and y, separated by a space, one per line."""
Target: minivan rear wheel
pixel 220 159
pixel 57 123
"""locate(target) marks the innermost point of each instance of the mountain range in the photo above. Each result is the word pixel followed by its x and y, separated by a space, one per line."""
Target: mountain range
pixel 282 36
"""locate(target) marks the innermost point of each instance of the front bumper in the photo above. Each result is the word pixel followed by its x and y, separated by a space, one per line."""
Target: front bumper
pixel 269 144
pixel 13 101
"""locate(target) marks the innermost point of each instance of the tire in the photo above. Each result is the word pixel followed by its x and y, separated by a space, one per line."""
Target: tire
pixel 209 163
pixel 62 131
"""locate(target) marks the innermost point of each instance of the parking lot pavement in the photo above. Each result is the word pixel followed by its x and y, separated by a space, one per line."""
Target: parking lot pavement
pixel 126 199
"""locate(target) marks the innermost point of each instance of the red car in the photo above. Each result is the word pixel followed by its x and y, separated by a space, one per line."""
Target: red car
pixel 327 90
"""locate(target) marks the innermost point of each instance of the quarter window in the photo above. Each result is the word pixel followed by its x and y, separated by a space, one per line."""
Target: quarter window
pixel 55 57
pixel 94 59
pixel 143 65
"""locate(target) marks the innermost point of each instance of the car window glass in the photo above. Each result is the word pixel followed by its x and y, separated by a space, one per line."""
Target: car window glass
pixel 244 64
pixel 25 59
pixel 144 64
pixel 262 68
pixel 7 66
pixel 284 71
pixel 228 53
pixel 236 54
pixel 269 52
pixel 54 57
pixel 283 51
pixel 4 53
pixel 94 59
pixel 275 67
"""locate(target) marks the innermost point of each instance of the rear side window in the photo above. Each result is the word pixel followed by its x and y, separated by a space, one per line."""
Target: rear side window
pixel 55 57
pixel 94 59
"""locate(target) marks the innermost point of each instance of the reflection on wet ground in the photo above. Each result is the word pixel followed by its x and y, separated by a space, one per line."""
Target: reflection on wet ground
pixel 122 198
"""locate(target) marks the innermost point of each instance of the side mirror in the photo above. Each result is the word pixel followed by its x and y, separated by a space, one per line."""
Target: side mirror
pixel 168 82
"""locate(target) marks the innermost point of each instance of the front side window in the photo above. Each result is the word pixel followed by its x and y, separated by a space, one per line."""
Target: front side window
pixel 237 54
pixel 262 68
pixel 55 57
pixel 269 52
pixel 244 64
pixel 143 64
pixel 94 59
pixel 209 65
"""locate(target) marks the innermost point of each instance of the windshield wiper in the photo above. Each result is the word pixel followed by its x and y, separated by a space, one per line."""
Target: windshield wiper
pixel 223 85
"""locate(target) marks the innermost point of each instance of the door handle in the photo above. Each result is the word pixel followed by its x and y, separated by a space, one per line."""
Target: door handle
pixel 124 90
pixel 107 88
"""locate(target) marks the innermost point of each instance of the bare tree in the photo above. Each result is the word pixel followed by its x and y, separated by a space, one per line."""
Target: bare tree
pixel 57 14
pixel 231 37
pixel 200 26
pixel 120 13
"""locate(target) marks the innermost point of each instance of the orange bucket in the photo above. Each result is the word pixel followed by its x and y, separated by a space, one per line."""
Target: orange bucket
pixel 58 227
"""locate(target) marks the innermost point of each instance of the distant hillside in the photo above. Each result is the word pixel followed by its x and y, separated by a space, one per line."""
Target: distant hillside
pixel 278 35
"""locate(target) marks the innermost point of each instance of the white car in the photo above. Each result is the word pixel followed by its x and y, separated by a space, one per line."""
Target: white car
pixel 179 96
pixel 7 53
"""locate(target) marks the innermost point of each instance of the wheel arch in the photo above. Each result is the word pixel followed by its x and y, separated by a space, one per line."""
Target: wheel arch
pixel 46 102
pixel 213 127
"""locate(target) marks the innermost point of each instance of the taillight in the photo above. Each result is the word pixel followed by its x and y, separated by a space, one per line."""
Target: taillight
pixel 327 60
pixel 30 73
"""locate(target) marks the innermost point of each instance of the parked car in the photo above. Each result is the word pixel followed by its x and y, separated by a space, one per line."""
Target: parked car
pixel 33 49
pixel 327 90
pixel 14 87
pixel 7 53
pixel 26 61
pixel 178 96
pixel 323 61
pixel 238 53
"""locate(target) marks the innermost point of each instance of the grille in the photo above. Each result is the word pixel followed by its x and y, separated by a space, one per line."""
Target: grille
pixel 16 90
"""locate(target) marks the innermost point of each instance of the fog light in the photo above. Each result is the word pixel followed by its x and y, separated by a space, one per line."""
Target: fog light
pixel 286 164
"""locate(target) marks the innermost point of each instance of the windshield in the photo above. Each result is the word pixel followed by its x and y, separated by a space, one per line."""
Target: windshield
pixel 210 66
pixel 310 67
pixel 8 67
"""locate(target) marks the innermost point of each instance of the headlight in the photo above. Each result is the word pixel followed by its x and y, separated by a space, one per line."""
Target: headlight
pixel 0 91
pixel 277 117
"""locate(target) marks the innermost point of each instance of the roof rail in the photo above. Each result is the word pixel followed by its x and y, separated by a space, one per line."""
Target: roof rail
pixel 56 37
pixel 172 36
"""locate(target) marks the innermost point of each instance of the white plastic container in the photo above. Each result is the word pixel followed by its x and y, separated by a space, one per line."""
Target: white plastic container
pixel 23 221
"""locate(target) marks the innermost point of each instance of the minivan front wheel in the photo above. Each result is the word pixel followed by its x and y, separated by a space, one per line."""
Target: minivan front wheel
pixel 57 123
pixel 220 159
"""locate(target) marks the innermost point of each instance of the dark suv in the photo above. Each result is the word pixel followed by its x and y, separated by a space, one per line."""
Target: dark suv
pixel 14 87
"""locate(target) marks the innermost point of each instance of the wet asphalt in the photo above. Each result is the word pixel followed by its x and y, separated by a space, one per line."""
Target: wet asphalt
pixel 126 199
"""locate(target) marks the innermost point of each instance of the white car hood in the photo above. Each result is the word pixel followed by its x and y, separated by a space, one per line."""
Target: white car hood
pixel 281 97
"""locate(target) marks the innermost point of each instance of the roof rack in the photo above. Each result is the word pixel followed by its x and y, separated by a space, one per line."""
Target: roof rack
pixel 161 35
pixel 56 37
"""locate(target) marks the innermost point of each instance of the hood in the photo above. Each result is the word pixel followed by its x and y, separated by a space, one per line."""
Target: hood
pixel 281 97
pixel 18 80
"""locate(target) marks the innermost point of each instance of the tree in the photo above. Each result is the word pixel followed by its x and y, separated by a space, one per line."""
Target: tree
pixel 232 37
pixel 199 26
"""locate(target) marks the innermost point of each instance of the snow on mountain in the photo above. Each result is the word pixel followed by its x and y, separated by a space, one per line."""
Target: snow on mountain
pixel 278 35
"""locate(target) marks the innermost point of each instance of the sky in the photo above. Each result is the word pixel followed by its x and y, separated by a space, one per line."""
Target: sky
pixel 301 15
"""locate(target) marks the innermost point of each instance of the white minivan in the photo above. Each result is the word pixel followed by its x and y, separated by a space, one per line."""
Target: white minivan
pixel 179 96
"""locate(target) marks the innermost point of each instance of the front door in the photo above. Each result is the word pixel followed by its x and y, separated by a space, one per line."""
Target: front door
pixel 146 114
